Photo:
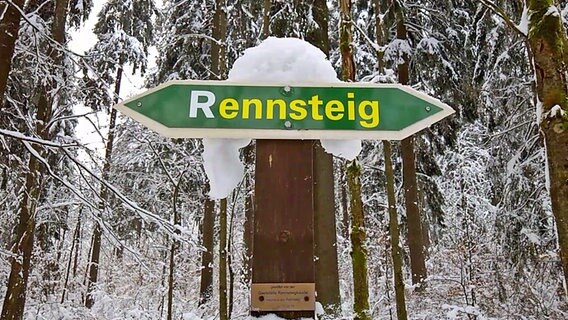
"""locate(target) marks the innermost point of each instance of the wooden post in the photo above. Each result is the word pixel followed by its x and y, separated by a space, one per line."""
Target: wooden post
pixel 283 243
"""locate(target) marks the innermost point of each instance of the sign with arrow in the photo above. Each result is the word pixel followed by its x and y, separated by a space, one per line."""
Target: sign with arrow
pixel 225 109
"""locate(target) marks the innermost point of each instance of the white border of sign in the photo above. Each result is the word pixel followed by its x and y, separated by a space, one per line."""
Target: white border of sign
pixel 287 133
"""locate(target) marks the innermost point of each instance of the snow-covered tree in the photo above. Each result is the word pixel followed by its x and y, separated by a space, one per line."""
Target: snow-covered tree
pixel 124 31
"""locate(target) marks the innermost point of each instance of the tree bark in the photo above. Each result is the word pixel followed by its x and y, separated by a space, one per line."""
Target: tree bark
pixel 15 299
pixel 266 19
pixel 414 221
pixel 175 246
pixel 344 206
pixel 325 233
pixel 218 58
pixel 396 250
pixel 9 28
pixel 346 38
pixel 249 217
pixel 380 35
pixel 358 234
pixel 549 45
pixel 319 36
pixel 325 230
pixel 207 226
pixel 93 267
pixel 359 249
pixel 74 244
pixel 97 232
pixel 223 313
pixel 77 245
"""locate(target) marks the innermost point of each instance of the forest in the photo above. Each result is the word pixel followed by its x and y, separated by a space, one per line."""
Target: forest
pixel 103 218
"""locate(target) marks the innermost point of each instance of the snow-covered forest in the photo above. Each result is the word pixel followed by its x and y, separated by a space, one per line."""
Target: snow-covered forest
pixel 102 218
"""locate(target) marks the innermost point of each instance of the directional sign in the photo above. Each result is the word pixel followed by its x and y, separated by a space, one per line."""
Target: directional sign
pixel 224 109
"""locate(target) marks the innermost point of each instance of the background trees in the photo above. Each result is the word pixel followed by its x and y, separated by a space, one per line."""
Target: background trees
pixel 489 225
pixel 125 32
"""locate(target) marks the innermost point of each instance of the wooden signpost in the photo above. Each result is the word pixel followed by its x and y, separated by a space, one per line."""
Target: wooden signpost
pixel 283 240
pixel 283 276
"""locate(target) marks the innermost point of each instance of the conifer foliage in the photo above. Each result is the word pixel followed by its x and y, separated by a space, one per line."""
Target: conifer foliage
pixel 123 228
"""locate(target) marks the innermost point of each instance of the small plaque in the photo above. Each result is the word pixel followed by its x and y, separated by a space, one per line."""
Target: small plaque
pixel 283 297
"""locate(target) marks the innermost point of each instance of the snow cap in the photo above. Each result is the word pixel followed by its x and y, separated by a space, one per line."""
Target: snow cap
pixel 283 60
pixel 275 60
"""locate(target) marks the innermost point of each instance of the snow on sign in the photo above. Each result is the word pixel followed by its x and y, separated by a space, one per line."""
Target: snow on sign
pixel 225 109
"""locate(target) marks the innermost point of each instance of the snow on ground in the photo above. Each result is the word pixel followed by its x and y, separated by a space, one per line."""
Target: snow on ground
pixel 275 60
pixel 192 316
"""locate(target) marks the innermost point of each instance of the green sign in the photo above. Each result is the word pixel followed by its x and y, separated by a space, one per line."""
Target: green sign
pixel 224 109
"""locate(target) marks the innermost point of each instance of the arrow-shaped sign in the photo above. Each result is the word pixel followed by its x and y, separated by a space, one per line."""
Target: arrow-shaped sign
pixel 224 109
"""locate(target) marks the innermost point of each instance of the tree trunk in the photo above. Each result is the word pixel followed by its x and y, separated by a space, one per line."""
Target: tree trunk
pixel 380 35
pixel 77 245
pixel 15 299
pixel 74 244
pixel 249 217
pixel 9 27
pixel 319 36
pixel 218 58
pixel 359 249
pixel 218 69
pixel 266 19
pixel 414 221
pixel 175 246
pixel 325 233
pixel 346 38
pixel 223 314
pixel 163 278
pixel 344 206
pixel 93 267
pixel 13 307
pixel 548 45
pixel 358 234
pixel 396 250
pixel 325 230
pixel 97 232
pixel 207 230
pixel 415 239
pixel 231 271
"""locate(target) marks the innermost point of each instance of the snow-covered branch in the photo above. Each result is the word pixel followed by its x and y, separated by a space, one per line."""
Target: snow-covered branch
pixel 53 42
pixel 20 136
pixel 503 15
pixel 144 214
